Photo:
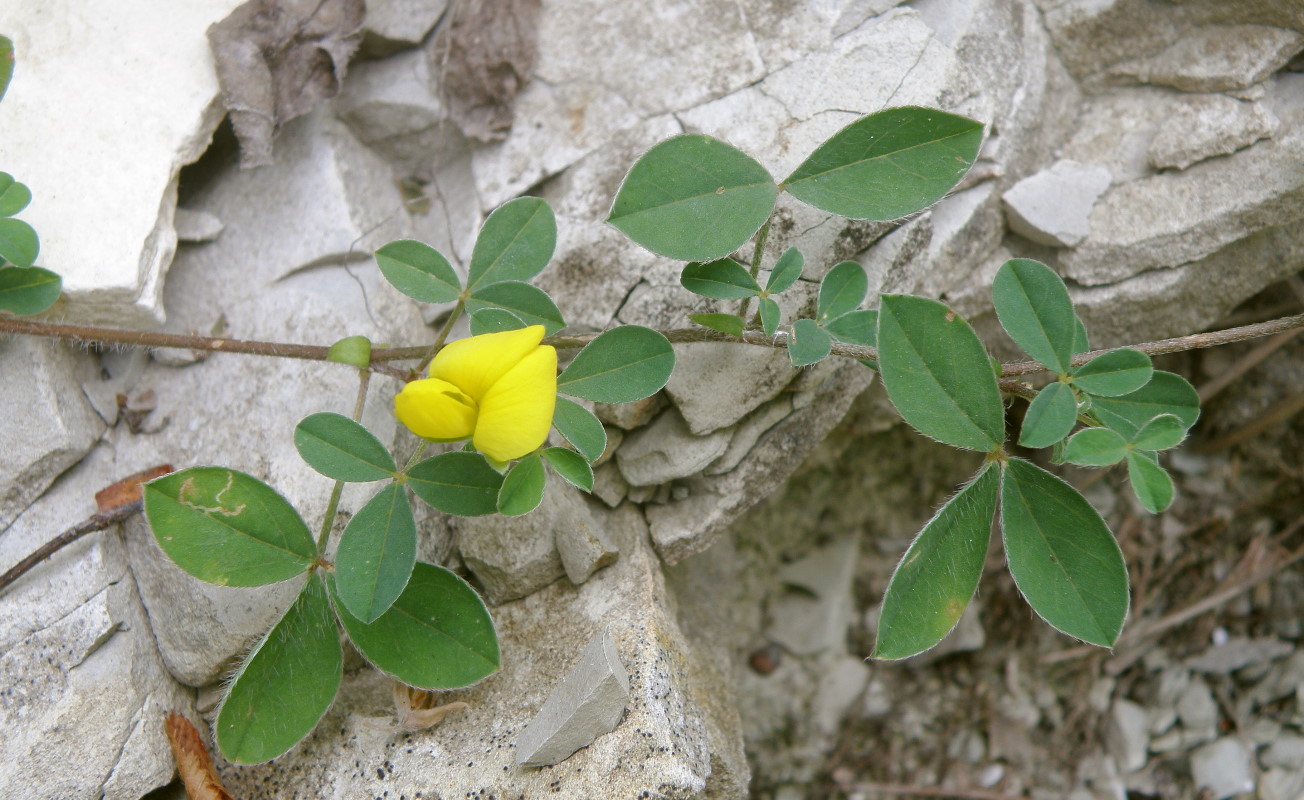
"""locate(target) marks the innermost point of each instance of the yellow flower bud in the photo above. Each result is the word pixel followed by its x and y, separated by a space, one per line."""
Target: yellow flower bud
pixel 498 389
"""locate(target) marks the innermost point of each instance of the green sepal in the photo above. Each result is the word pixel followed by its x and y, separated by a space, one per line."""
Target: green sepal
pixel 352 350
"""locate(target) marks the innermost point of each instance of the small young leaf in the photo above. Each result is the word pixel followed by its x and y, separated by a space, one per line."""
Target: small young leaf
pixel 18 242
pixel 1150 482
pixel 228 528
pixel 419 271
pixel 937 373
pixel 458 483
pixel 1161 433
pixel 437 635
pixel 771 315
pixel 724 323
pixel 1062 556
pixel 6 64
pixel 515 243
pixel 352 350
pixel 939 573
pixel 578 426
pixel 285 685
pixel 523 486
pixel 888 164
pixel 1095 447
pixel 492 319
pixel 28 290
pixel 530 304
pixel 1033 306
pixel 14 196
pixel 786 271
pixel 693 198
pixel 1115 373
pixel 1050 416
pixel 842 290
pixel 376 554
pixel 1166 393
pixel 622 365
pixel 571 466
pixel 723 279
pixel 340 448
pixel 856 327
pixel 809 343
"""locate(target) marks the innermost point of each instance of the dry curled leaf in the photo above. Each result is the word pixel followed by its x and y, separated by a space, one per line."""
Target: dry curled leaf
pixel 193 762
pixel 127 490
pixel 276 59
pixel 483 56
pixel 416 709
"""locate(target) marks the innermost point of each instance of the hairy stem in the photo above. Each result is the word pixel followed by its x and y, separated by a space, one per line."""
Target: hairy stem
pixel 96 523
pixel 332 505
pixel 756 262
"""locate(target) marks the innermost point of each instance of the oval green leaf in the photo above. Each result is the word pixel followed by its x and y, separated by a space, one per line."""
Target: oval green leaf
pixel 724 323
pixel 285 685
pixel 578 426
pixel 724 279
pixel 227 528
pixel 938 374
pixel 458 483
pixel 342 449
pixel 938 575
pixel 1160 433
pixel 376 554
pixel 1050 416
pixel 1063 558
pixel 352 350
pixel 771 315
pixel 786 271
pixel 14 196
pixel 419 271
pixel 515 243
pixel 693 198
pixel 621 365
pixel 1095 447
pixel 809 344
pixel 1166 393
pixel 1033 305
pixel 28 290
pixel 1115 373
pixel 18 242
pixel 888 164
pixel 842 290
pixel 1151 483
pixel 856 327
pixel 6 64
pixel 492 319
pixel 523 486
pixel 529 303
pixel 571 466
pixel 437 635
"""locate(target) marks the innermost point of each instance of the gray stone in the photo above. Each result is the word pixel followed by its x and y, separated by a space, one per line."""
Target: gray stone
pixel 516 556
pixel 749 432
pixel 1286 751
pixel 1208 126
pixel 68 425
pixel 716 384
pixel 1223 767
pixel 1217 58
pixel 583 546
pixel 194 227
pixel 1281 783
pixel 844 682
pixel 1053 207
pixel 394 24
pixel 812 614
pixel 628 416
pixel 1198 712
pixel 608 485
pixel 1127 734
pixel 666 449
pixel 1237 653
pixel 588 702
pixel 111 255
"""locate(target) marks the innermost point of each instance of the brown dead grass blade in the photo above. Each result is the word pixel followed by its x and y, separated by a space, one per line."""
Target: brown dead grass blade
pixel 193 762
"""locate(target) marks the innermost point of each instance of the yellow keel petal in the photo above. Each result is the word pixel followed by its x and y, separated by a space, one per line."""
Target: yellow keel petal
pixel 435 409
pixel 516 412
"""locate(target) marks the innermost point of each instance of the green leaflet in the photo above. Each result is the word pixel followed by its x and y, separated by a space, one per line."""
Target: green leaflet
pixel 1033 306
pixel 515 243
pixel 376 554
pixel 342 449
pixel 1050 416
pixel 621 365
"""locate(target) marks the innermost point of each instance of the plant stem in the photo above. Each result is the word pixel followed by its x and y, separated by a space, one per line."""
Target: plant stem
pixel 756 262
pixel 441 337
pixel 332 505
pixel 96 523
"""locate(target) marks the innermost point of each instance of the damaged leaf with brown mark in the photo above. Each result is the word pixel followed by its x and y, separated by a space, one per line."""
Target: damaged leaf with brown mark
pixel 483 55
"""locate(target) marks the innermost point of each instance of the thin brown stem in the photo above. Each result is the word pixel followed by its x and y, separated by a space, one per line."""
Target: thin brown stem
pixel 98 522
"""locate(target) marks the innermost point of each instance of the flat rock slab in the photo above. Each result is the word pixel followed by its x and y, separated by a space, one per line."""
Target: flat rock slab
pixel 103 207
pixel 1207 126
pixel 1217 58
pixel 1054 206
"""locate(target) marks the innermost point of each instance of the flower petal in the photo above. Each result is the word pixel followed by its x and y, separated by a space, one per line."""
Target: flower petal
pixel 476 363
pixel 435 409
pixel 516 412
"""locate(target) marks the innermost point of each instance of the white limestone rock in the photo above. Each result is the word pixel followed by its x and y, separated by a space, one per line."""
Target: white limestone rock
pixel 1281 783
pixel 1126 735
pixel 714 385
pixel 194 227
pixel 667 449
pixel 811 615
pixel 395 24
pixel 1054 206
pixel 104 207
pixel 749 432
pixel 1208 126
pixel 1217 58
pixel 1223 768
pixel 589 701
pixel 582 544
pixel 513 557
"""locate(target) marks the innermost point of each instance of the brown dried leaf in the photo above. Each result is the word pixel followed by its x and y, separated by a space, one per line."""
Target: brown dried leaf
pixel 276 59
pixel 127 490
pixel 193 762
pixel 483 55
pixel 416 708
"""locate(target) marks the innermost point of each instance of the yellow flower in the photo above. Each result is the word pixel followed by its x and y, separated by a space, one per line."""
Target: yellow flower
pixel 497 388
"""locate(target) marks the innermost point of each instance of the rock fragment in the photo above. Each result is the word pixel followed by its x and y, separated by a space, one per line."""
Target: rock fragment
pixel 1223 767
pixel 1127 734
pixel 666 449
pixel 1237 653
pixel 1217 58
pixel 1054 206
pixel 589 701
pixel 1208 126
